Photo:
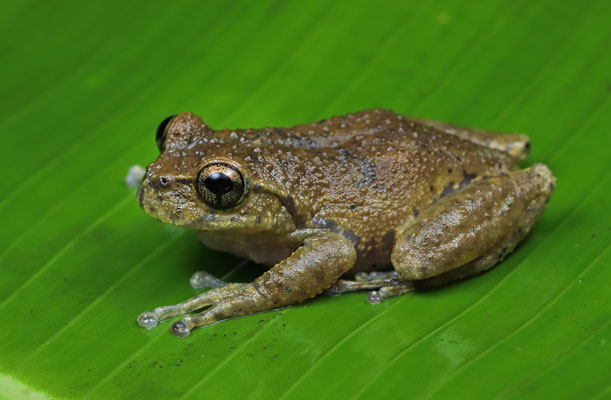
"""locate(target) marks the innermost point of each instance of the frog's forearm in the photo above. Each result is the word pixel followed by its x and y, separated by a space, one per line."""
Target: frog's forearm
pixel 312 268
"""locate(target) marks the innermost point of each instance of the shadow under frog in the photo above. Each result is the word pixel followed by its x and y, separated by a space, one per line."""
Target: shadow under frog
pixel 393 202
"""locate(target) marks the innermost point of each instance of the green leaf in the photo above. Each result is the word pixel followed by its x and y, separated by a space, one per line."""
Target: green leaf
pixel 83 87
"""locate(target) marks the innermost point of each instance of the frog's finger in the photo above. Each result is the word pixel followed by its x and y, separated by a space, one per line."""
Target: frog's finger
pixel 151 319
pixel 183 327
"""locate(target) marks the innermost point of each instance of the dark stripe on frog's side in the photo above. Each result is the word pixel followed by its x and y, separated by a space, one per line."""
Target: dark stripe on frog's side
pixel 371 254
pixel 289 204
pixel 331 225
pixel 452 187
pixel 374 255
pixel 467 178
pixel 368 172
pixel 448 189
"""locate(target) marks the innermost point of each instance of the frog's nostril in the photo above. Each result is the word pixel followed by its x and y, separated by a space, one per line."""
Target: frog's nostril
pixel 164 180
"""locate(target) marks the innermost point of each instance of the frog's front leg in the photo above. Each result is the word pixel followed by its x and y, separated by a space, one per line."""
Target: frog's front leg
pixel 312 268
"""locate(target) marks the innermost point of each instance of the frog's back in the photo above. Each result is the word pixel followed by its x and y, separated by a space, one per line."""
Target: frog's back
pixel 368 173
pixel 376 159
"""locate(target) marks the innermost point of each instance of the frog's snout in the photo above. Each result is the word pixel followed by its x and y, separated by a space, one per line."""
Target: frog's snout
pixel 140 194
pixel 150 186
pixel 157 182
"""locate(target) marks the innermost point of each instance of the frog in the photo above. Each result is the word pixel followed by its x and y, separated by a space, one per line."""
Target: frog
pixel 370 201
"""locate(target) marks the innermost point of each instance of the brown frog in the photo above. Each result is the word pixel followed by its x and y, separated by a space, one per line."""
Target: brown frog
pixel 350 196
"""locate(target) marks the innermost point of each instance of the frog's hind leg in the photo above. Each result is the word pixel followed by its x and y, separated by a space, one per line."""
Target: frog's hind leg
pixel 496 253
pixel 364 281
pixel 488 260
pixel 471 230
pixel 516 145
pixel 382 285
pixel 463 234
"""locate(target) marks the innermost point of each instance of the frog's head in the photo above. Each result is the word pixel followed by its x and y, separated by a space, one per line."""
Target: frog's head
pixel 198 184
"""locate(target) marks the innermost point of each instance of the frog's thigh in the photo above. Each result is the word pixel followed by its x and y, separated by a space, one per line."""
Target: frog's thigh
pixel 517 145
pixel 472 226
pixel 312 268
pixel 496 253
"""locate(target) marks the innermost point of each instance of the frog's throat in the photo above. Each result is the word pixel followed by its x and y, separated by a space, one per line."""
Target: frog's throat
pixel 287 201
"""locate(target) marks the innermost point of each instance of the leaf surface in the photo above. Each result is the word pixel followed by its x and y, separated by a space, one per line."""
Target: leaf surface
pixel 84 86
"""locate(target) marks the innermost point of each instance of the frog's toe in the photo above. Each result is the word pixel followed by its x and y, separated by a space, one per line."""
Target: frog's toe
pixel 180 329
pixel 151 319
pixel 376 276
pixel 365 281
pixel 202 279
pixel 373 297
pixel 386 292
pixel 345 286
pixel 148 320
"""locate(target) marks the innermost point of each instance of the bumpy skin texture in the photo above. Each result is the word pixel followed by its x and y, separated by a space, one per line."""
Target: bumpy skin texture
pixel 353 189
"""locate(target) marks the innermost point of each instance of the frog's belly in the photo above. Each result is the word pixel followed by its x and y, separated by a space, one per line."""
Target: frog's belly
pixel 373 255
pixel 261 248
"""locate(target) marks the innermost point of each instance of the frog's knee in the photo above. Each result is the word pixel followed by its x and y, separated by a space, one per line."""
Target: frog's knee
pixel 543 178
pixel 540 182
pixel 407 262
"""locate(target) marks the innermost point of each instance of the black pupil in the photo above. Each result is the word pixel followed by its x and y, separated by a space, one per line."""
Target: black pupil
pixel 218 183
pixel 161 131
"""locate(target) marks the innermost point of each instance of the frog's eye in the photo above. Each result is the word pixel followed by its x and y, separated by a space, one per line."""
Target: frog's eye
pixel 162 131
pixel 221 185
